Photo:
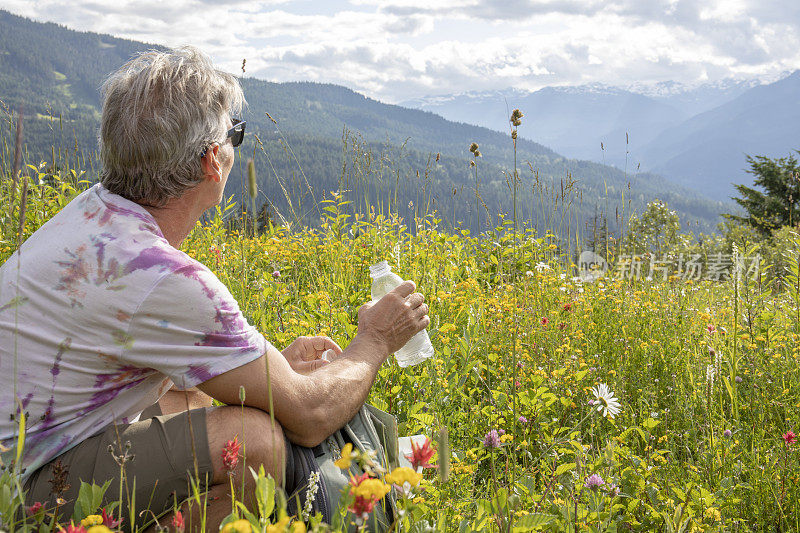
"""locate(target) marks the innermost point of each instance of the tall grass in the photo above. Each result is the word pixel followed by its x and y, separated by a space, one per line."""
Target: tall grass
pixel 519 344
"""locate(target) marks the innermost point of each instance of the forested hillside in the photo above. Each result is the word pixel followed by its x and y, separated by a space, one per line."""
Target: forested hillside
pixel 326 138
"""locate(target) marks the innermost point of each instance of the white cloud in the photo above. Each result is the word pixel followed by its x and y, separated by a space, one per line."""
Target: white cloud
pixel 398 49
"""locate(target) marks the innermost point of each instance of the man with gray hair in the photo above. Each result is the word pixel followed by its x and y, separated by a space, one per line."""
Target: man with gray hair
pixel 102 317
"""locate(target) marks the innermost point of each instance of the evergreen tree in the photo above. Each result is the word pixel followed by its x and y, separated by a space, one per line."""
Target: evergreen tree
pixel 775 207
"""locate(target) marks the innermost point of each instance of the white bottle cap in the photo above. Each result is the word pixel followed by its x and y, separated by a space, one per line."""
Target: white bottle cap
pixel 379 269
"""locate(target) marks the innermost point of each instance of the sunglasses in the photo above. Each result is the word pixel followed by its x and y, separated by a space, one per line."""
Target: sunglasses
pixel 236 134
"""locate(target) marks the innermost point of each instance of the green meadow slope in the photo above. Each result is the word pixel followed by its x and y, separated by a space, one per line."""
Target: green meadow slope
pixel 325 138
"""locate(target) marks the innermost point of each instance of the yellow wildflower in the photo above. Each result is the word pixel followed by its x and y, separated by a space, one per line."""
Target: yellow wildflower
pixel 402 475
pixel 279 526
pixel 371 488
pixel 92 520
pixel 347 457
pixel 98 529
pixel 242 526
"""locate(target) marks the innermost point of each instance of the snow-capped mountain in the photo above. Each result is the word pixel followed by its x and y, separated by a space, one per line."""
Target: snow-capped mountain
pixel 629 126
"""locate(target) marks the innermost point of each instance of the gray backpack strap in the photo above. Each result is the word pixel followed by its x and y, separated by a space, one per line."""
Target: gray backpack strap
pixel 370 430
pixel 386 426
pixel 300 463
pixel 365 435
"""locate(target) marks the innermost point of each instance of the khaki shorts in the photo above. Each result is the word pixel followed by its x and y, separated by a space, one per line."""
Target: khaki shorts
pixel 162 460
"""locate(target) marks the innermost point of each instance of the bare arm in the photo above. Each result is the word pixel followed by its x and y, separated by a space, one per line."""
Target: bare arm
pixel 176 401
pixel 311 406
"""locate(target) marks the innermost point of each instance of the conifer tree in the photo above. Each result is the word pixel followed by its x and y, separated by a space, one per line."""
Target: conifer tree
pixel 776 206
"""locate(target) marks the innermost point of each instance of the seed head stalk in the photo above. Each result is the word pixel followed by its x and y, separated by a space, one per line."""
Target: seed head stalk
pixel 476 153
pixel 516 120
pixel 22 208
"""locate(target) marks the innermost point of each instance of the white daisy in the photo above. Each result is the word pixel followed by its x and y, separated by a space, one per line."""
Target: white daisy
pixel 606 402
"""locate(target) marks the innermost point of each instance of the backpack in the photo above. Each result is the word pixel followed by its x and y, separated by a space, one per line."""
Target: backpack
pixel 370 430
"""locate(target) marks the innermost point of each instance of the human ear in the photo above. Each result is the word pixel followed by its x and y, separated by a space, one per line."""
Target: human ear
pixel 210 163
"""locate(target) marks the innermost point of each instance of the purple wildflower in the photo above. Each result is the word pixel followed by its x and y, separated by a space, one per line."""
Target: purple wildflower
pixel 522 420
pixel 727 432
pixel 738 379
pixel 492 439
pixel 594 482
pixel 276 275
pixel 501 432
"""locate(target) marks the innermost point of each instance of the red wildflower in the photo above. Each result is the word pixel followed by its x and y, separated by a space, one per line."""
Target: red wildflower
pixel 356 481
pixel 366 492
pixel 177 521
pixel 72 528
pixel 362 506
pixel 109 521
pixel 217 253
pixel 568 306
pixel 711 328
pixel 33 509
pixel 230 454
pixel 421 455
pixel 789 438
pixel 545 320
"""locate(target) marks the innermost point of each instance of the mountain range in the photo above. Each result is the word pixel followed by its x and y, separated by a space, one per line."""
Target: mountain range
pixel 695 136
pixel 308 139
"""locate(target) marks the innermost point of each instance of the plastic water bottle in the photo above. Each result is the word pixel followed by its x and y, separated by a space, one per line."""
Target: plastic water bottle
pixel 419 347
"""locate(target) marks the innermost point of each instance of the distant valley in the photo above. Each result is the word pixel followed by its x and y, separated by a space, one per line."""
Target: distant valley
pixel 309 139
pixel 696 137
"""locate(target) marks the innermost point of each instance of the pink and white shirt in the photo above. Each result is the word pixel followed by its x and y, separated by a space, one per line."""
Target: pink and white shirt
pixel 99 316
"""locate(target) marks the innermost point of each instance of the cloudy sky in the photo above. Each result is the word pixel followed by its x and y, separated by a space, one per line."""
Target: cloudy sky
pixel 394 50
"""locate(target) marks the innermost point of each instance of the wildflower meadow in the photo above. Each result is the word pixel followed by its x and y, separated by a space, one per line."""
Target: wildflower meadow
pixel 552 403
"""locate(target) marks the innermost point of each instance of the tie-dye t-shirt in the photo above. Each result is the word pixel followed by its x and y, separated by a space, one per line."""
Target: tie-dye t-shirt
pixel 99 316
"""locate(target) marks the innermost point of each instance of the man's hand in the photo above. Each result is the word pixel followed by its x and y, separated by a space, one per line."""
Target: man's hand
pixel 304 353
pixel 310 407
pixel 395 318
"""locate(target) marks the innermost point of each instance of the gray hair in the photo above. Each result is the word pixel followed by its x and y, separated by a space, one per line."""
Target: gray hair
pixel 160 110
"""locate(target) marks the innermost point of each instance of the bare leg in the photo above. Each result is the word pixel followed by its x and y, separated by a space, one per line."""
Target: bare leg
pixel 262 444
pixel 217 503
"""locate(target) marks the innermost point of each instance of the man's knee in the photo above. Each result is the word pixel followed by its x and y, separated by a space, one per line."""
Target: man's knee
pixel 261 440
pixel 265 442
